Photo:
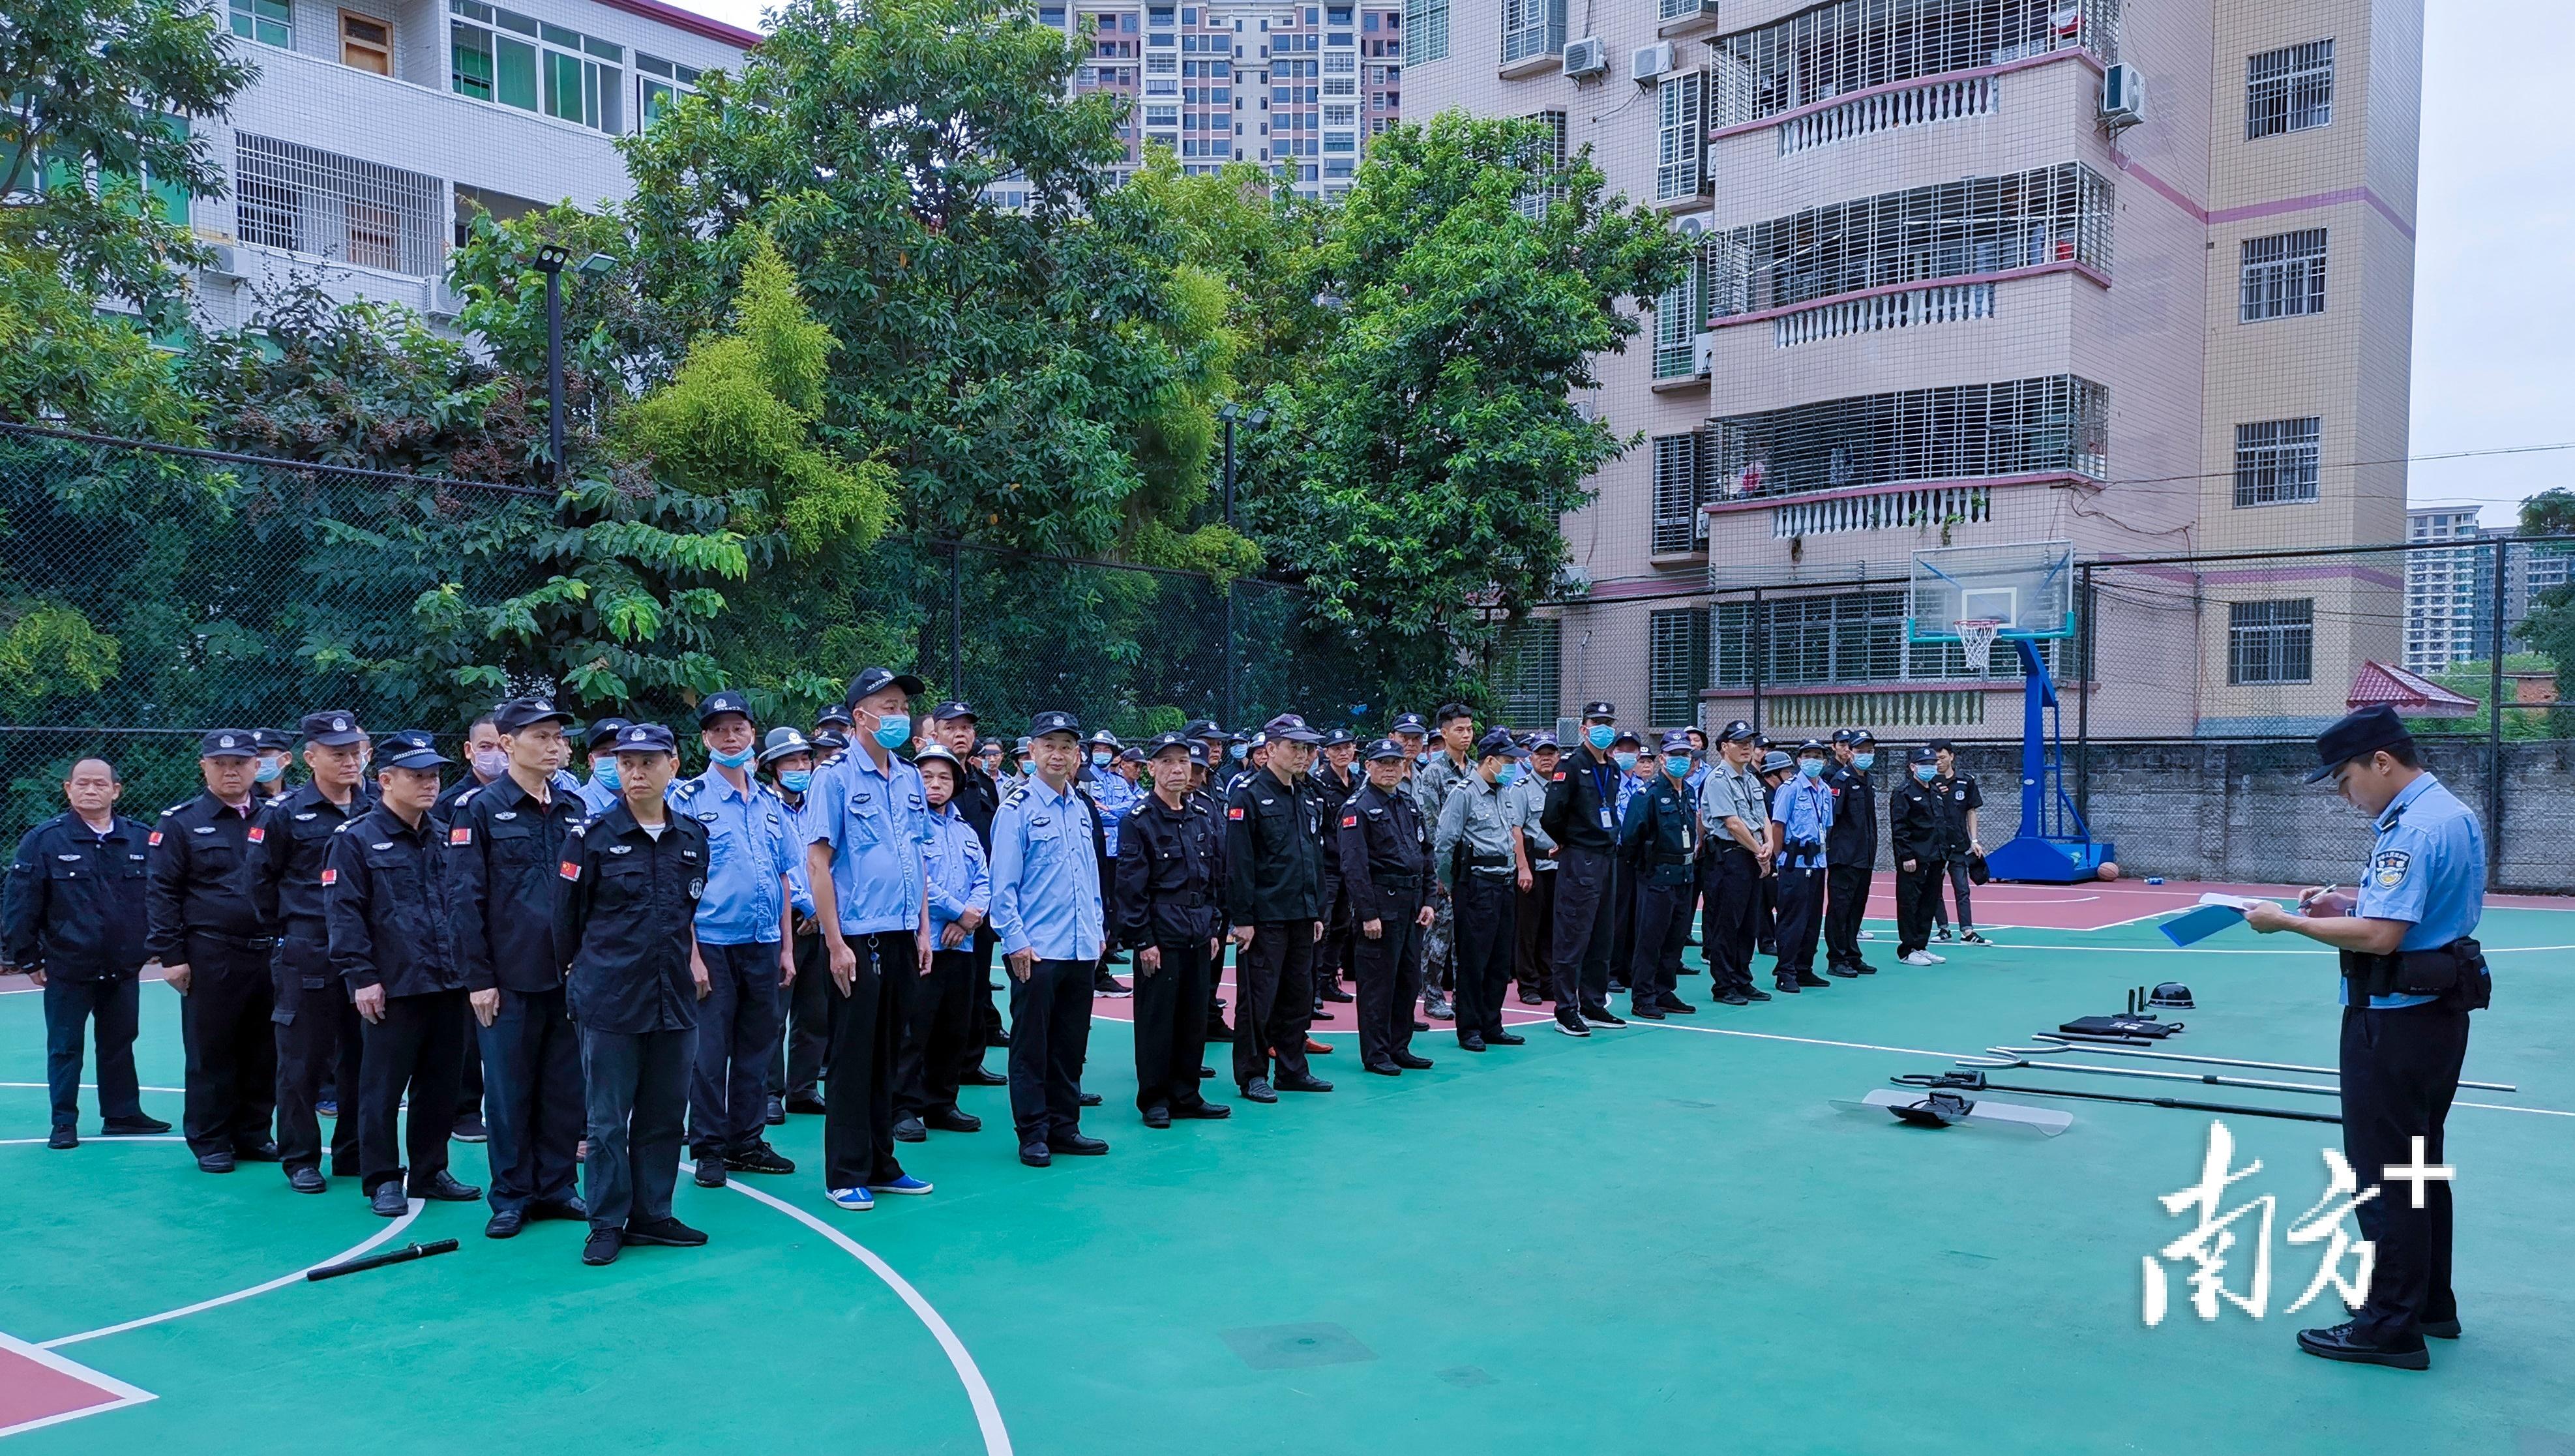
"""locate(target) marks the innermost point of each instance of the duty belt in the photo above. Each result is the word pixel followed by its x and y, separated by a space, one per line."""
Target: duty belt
pixel 1499 867
pixel 238 942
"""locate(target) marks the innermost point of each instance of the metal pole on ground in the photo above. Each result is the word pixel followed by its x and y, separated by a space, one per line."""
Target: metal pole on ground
pixel 1756 632
pixel 2494 720
pixel 2084 640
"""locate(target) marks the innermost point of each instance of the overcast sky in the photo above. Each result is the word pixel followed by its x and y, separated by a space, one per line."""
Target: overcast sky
pixel 2494 292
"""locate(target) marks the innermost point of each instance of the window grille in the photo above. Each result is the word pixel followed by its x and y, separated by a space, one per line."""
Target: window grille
pixel 1532 28
pixel 1679 319
pixel 1956 431
pixel 1678 492
pixel 1680 132
pixel 2272 642
pixel 1841 636
pixel 2276 462
pixel 2284 276
pixel 1547 160
pixel 1530 671
pixel 1427 22
pixel 1975 225
pixel 1834 49
pixel 1677 671
pixel 2288 90
pixel 306 199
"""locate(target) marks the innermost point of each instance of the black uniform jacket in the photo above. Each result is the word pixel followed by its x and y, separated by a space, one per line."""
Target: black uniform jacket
pixel 500 851
pixel 193 883
pixel 1584 786
pixel 1274 852
pixel 1384 866
pixel 1658 837
pixel 1330 792
pixel 1171 874
pixel 1852 839
pixel 73 906
pixel 1912 823
pixel 380 899
pixel 287 844
pixel 625 906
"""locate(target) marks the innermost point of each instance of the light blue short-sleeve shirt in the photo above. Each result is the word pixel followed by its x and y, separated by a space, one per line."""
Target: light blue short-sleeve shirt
pixel 2427 868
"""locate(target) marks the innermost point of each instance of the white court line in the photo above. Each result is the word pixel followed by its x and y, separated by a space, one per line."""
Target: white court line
pixel 2202 951
pixel 1920 1051
pixel 280 1282
pixel 988 1414
pixel 90 1087
pixel 125 1394
pixel 99 1137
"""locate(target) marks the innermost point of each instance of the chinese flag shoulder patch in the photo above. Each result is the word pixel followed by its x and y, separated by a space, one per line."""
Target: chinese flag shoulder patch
pixel 1557 778
pixel 1350 821
pixel 460 836
pixel 330 877
pixel 1234 812
pixel 569 870
pixel 155 838
pixel 257 834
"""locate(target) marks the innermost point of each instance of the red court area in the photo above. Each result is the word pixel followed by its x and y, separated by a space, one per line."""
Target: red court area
pixel 2104 904
pixel 40 1388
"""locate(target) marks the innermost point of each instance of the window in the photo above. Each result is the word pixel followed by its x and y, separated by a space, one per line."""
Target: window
pixel 1680 316
pixel 306 199
pixel 270 22
pixel 2272 642
pixel 1679 144
pixel 1679 493
pixel 1977 225
pixel 1532 28
pixel 2288 90
pixel 2284 276
pixel 659 85
pixel 1842 637
pixel 1545 162
pixel 1834 49
pixel 1529 669
pixel 1677 671
pixel 366 42
pixel 1428 22
pixel 2056 424
pixel 501 55
pixel 2276 462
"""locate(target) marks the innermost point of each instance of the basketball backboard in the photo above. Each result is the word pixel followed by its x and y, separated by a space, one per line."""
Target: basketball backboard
pixel 2025 586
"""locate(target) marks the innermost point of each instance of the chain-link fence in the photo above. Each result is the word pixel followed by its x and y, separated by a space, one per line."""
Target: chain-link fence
pixel 148 593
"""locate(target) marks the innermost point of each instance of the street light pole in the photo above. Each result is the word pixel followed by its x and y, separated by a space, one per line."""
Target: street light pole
pixel 550 260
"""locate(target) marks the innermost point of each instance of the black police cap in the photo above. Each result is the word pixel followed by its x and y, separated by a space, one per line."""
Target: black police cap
pixel 1409 722
pixel 646 738
pixel 410 749
pixel 521 713
pixel 1387 748
pixel 1287 727
pixel 954 709
pixel 2357 736
pixel 1925 754
pixel 716 705
pixel 1498 743
pixel 834 714
pixel 877 680
pixel 1164 741
pixel 332 728
pixel 602 733
pixel 271 740
pixel 1738 732
pixel 1334 737
pixel 228 743
pixel 1054 722
pixel 1599 712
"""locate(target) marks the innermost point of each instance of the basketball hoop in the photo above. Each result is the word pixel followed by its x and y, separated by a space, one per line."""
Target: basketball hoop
pixel 1976 635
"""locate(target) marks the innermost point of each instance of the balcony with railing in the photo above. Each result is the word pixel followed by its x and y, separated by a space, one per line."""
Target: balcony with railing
pixel 2047 429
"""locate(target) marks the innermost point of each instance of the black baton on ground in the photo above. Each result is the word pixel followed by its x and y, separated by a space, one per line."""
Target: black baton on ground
pixel 403 1255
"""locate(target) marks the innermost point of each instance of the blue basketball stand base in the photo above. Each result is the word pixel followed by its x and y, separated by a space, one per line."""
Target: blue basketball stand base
pixel 2054 845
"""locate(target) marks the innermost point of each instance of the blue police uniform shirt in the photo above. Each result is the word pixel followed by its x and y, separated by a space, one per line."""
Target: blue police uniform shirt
pixel 1699 770
pixel 2428 869
pixel 751 844
pixel 1045 875
pixel 1805 809
pixel 598 797
pixel 800 818
pixel 958 878
pixel 1116 798
pixel 1630 785
pixel 876 821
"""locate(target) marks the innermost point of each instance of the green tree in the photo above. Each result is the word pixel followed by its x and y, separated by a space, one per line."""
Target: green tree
pixel 1426 451
pixel 2475 680
pixel 2549 630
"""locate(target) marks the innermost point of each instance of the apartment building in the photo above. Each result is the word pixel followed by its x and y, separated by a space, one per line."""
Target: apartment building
pixel 378 129
pixel 2449 594
pixel 2134 276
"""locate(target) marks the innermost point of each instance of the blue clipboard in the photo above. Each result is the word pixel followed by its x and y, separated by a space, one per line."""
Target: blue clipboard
pixel 2196 925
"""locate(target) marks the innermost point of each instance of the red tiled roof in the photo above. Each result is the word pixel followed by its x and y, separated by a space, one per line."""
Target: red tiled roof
pixel 2410 693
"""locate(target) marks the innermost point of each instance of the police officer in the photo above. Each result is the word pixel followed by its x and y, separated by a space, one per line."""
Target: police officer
pixel 787 756
pixel 1170 877
pixel 1335 783
pixel 625 919
pixel 979 794
pixel 213 953
pixel 1049 911
pixel 599 747
pixel 72 918
pixel 1534 917
pixel 1639 770
pixel 2411 973
pixel 1385 868
pixel 318 1035
pixel 269 782
pixel 1850 850
pixel 1478 849
pixel 1734 824
pixel 1582 817
pixel 871 820
pixel 380 905
pixel 503 844
pixel 1658 841
pixel 944 1004
pixel 1274 904
pixel 744 941
pixel 1958 798
pixel 1914 839
pixel 1778 767
pixel 1110 794
pixel 1204 799
pixel 1804 810
pixel 1450 767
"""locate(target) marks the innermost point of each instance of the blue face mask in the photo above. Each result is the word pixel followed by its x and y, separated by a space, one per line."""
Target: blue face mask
pixel 1508 775
pixel 1862 760
pixel 796 781
pixel 606 775
pixel 1624 762
pixel 1811 768
pixel 1238 751
pixel 1677 765
pixel 894 732
pixel 1102 758
pixel 1925 773
pixel 1600 735
pixel 270 770
pixel 731 760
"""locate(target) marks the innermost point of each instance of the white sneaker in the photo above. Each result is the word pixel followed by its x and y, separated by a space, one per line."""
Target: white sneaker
pixel 1922 957
pixel 1868 934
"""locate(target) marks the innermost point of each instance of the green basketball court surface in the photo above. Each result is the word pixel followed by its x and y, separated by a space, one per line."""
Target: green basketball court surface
pixel 1660 1239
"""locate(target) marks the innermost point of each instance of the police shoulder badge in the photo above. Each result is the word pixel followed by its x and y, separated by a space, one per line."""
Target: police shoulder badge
pixel 2388 867
pixel 1350 821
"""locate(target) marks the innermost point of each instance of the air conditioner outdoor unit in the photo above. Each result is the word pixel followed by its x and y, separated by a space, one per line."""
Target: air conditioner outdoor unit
pixel 1649 62
pixel 224 264
pixel 1704 354
pixel 445 303
pixel 2123 97
pixel 1691 226
pixel 1589 56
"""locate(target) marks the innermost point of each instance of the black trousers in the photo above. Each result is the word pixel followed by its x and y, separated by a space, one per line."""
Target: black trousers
pixel 319 1044
pixel 531 1098
pixel 983 1014
pixel 1050 1042
pixel 1734 880
pixel 419 1049
pixel 1916 891
pixel 737 1038
pixel 1801 921
pixel 1960 879
pixel 1845 904
pixel 1534 930
pixel 2400 1070
pixel 636 1094
pixel 796 1069
pixel 1486 914
pixel 1389 975
pixel 1334 954
pixel 469 1097
pixel 938 1035
pixel 867 1037
pixel 1766 916
pixel 1662 929
pixel 1583 922
pixel 1622 927
pixel 115 1007
pixel 232 1047
pixel 1171 1027
pixel 1274 997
